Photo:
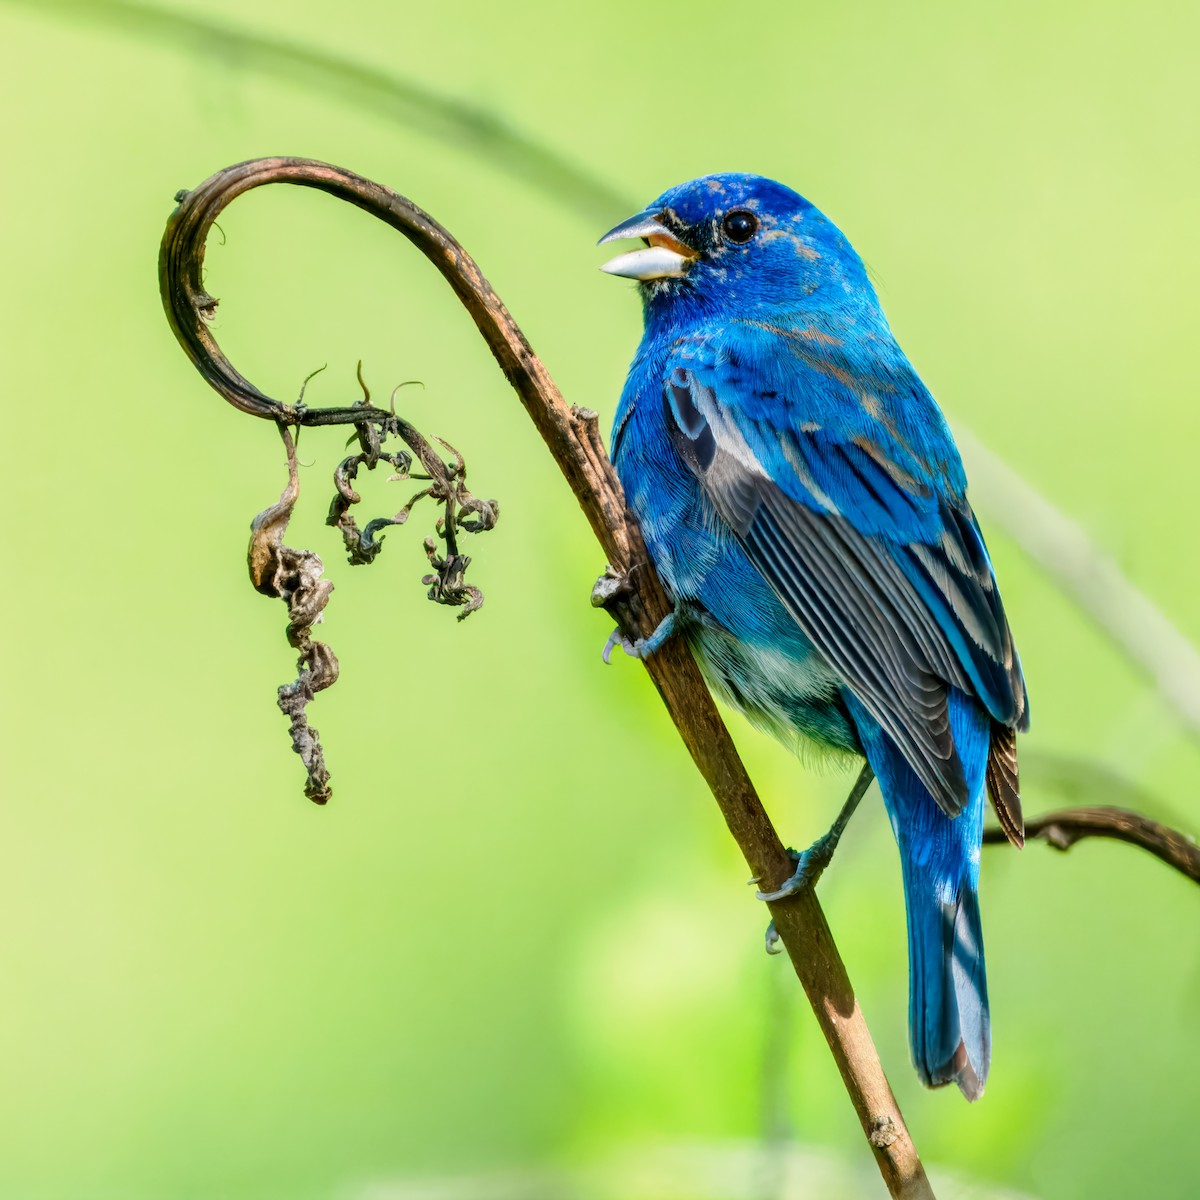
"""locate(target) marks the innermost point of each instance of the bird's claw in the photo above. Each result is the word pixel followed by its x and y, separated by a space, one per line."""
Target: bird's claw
pixel 641 647
pixel 771 940
pixel 810 865
pixel 617 638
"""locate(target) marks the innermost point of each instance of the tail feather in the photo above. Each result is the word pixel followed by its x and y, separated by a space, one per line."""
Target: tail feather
pixel 1004 782
pixel 947 999
pixel 949 1028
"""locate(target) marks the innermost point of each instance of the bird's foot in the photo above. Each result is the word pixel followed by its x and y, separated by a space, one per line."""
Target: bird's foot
pixel 771 940
pixel 615 639
pixel 642 647
pixel 810 865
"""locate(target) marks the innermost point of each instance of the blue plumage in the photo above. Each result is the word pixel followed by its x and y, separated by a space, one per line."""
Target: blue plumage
pixel 804 502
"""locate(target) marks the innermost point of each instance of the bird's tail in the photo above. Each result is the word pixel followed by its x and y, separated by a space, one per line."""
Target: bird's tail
pixel 948 1024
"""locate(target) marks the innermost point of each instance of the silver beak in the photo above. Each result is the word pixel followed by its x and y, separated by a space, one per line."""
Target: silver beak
pixel 665 258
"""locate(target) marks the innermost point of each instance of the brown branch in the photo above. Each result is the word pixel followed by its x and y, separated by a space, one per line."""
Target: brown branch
pixel 574 441
pixel 1062 829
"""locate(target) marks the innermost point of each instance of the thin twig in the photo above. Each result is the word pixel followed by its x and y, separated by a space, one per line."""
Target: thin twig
pixel 1062 829
pixel 573 439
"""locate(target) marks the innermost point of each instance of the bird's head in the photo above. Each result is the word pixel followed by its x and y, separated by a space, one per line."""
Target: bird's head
pixel 740 239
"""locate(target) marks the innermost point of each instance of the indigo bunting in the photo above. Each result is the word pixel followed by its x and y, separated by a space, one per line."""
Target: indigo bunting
pixel 805 505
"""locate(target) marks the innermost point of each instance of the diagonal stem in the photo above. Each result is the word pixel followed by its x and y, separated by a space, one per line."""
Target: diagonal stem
pixel 573 438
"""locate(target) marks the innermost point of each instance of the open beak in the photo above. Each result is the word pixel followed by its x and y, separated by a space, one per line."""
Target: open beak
pixel 665 256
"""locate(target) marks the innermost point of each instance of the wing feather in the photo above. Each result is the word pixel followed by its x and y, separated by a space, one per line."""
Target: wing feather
pixel 887 577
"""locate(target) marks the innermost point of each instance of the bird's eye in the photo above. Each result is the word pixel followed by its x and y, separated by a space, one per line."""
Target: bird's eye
pixel 740 226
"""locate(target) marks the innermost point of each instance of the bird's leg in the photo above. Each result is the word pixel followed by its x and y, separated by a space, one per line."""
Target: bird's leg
pixel 644 647
pixel 813 861
pixel 614 594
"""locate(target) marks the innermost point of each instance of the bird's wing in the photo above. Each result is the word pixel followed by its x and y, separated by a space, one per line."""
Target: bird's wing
pixel 876 555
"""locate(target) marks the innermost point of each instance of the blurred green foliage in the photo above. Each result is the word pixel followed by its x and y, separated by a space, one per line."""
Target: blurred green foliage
pixel 518 937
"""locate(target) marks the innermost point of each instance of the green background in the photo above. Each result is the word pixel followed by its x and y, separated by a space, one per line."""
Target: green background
pixel 516 951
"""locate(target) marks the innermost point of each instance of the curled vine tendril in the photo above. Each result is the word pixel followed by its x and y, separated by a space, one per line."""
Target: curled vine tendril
pixel 297 576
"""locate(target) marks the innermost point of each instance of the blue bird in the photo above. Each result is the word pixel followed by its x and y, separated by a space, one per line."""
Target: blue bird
pixel 805 505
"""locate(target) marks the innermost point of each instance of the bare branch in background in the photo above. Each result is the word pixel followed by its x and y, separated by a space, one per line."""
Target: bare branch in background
pixel 1064 828
pixel 447 119
pixel 1091 578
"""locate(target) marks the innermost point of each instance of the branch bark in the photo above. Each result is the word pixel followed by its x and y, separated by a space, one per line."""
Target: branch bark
pixel 1062 829
pixel 573 438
